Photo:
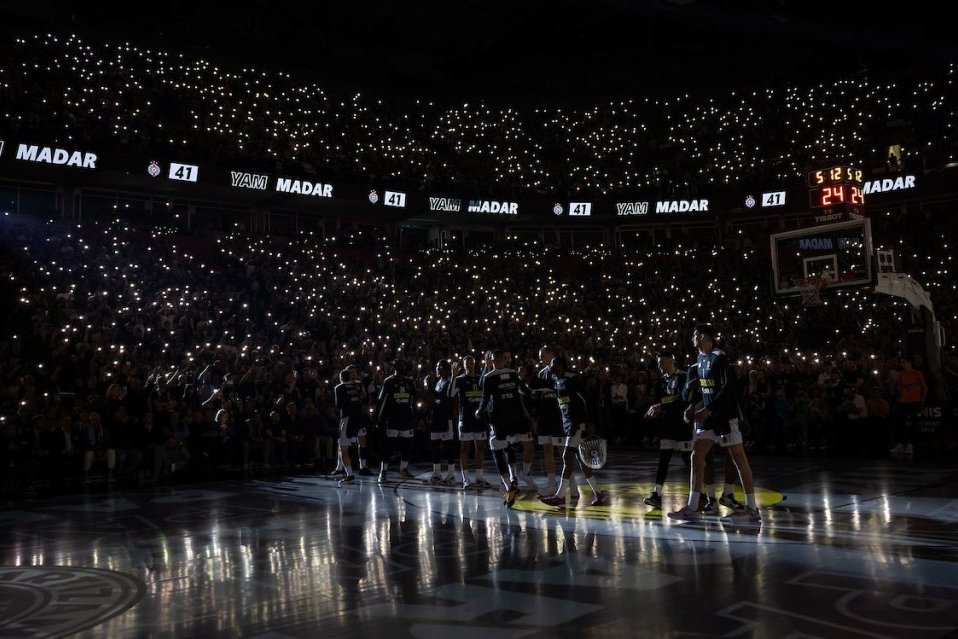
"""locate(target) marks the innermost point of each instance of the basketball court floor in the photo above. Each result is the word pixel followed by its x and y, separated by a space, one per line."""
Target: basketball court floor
pixel 847 548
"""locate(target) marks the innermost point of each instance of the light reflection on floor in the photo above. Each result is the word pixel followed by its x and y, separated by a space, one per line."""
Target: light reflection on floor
pixel 844 550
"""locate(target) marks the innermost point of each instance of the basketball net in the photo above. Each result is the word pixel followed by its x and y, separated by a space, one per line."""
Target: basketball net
pixel 811 289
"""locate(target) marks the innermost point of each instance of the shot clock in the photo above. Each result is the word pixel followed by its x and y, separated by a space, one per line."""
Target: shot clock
pixel 837 187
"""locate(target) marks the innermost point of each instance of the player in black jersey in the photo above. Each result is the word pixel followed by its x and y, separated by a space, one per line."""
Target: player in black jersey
pixel 502 392
pixel 708 505
pixel 352 419
pixel 717 418
pixel 675 435
pixel 548 419
pixel 397 418
pixel 441 433
pixel 569 391
pixel 465 393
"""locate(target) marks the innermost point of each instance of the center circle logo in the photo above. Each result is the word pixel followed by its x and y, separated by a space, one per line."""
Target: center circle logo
pixel 41 601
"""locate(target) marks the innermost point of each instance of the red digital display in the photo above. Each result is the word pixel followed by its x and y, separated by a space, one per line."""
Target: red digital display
pixel 836 195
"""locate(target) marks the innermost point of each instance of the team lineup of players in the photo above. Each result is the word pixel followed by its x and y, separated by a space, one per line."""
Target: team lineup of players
pixel 490 410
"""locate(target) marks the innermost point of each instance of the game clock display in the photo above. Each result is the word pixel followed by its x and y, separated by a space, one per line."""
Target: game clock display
pixel 835 175
pixel 836 195
pixel 836 186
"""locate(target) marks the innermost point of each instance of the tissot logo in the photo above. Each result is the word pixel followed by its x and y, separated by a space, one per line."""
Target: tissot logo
pixel 682 206
pixel 888 184
pixel 48 155
pixel 249 180
pixel 631 208
pixel 829 217
pixel 303 187
pixel 492 206
pixel 445 204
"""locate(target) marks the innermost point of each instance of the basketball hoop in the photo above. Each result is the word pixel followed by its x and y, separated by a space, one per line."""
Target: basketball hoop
pixel 811 289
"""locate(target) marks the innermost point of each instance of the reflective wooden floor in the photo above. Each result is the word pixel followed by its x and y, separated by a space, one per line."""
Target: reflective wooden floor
pixel 846 549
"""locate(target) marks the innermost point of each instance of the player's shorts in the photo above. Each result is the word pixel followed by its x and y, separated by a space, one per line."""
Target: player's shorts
pixel 551 428
pixel 542 440
pixel 498 443
pixel 346 438
pixel 442 435
pixel 472 435
pixel 397 434
pixel 472 431
pixel 679 446
pixel 732 438
pixel 576 438
pixel 509 433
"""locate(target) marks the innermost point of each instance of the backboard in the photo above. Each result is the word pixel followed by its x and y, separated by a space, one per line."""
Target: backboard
pixel 840 252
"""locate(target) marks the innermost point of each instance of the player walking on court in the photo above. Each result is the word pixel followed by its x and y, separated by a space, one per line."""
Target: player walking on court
pixel 572 405
pixel 502 392
pixel 717 422
pixel 352 422
pixel 675 435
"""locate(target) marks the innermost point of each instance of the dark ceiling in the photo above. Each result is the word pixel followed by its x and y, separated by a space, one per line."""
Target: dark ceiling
pixel 527 52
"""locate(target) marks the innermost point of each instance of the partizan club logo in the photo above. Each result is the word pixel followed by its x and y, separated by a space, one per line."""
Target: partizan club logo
pixel 154 169
pixel 557 209
pixel 55 601
pixel 373 196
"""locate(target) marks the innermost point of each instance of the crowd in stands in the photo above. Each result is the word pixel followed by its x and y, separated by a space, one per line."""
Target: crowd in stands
pixel 136 354
pixel 59 88
pixel 128 357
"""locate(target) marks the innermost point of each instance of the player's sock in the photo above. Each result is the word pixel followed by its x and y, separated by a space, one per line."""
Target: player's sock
pixel 658 489
pixel 728 489
pixel 750 501
pixel 559 485
pixel 693 503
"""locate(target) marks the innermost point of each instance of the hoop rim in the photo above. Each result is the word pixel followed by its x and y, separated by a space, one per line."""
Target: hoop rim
pixel 811 282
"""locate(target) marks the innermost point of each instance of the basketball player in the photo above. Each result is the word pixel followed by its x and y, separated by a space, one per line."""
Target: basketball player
pixel 352 421
pixel 441 433
pixel 465 394
pixel 549 432
pixel 675 435
pixel 717 422
pixel 397 418
pixel 502 392
pixel 572 405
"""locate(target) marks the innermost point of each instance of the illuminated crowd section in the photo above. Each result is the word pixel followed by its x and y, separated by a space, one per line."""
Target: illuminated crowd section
pixel 176 324
pixel 70 92
pixel 99 305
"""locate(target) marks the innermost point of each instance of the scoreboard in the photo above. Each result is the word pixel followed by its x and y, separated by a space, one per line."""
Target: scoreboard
pixel 839 188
